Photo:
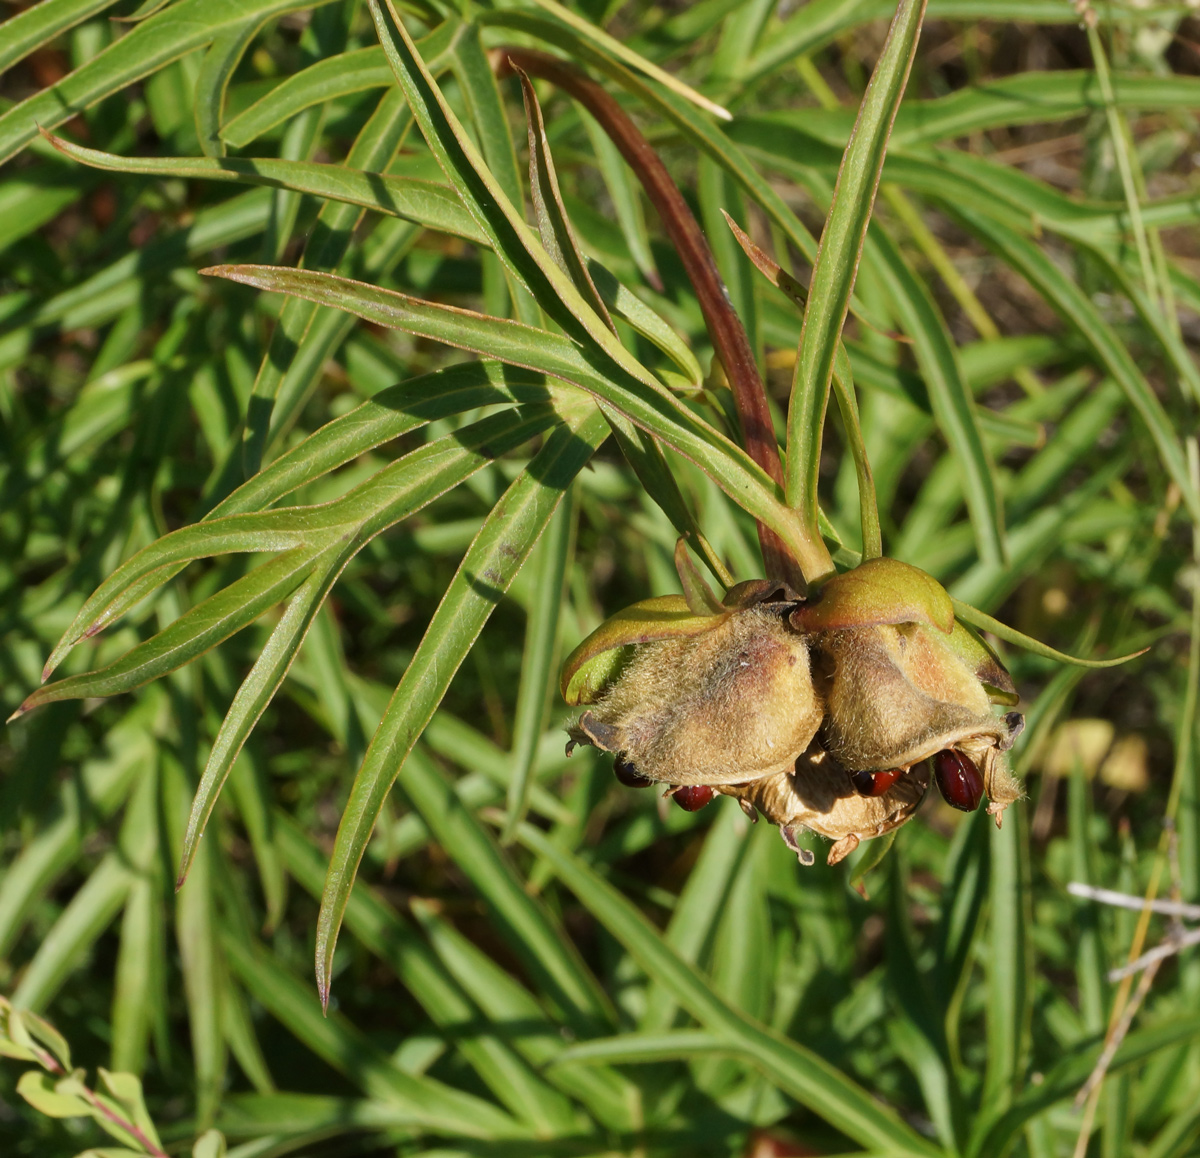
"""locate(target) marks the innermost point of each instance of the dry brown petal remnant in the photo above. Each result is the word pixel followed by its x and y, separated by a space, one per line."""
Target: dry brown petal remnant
pixel 830 714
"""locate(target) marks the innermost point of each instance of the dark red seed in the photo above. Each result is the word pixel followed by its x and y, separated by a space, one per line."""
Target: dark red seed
pixel 875 783
pixel 692 797
pixel 958 780
pixel 629 775
pixel 884 780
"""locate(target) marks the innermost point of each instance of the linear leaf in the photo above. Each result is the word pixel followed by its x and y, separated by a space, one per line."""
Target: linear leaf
pixel 553 557
pixel 651 408
pixel 837 260
pixel 498 551
pixel 1070 302
pixel 985 622
pixel 156 41
pixel 630 308
pixel 89 912
pixel 425 202
pixel 801 1073
pixel 950 398
pixel 222 58
pixel 411 483
pixel 192 634
pixel 612 1098
pixel 39 24
pixel 307 335
pixel 400 947
pixel 388 415
pixel 430 1104
pixel 553 224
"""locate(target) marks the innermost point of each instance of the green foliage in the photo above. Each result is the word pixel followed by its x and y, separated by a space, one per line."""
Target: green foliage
pixel 333 513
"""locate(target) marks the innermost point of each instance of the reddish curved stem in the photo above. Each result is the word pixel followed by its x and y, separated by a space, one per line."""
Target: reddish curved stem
pixel 725 328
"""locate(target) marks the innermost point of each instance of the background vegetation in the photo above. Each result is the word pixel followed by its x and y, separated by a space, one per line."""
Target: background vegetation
pixel 615 977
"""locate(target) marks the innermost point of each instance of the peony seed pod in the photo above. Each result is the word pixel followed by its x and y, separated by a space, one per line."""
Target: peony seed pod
pixel 822 714
pixel 820 795
pixel 727 703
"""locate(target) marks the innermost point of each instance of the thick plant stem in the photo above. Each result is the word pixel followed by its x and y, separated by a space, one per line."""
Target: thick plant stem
pixel 725 328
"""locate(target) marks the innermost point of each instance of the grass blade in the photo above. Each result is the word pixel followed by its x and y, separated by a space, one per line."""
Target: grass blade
pixel 539 661
pixel 796 1070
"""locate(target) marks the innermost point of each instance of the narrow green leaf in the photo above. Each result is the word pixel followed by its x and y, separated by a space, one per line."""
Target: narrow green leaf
pixel 156 41
pixel 89 912
pixel 39 24
pixel 630 308
pixel 388 415
pixel 222 58
pixel 1067 299
pixel 92 797
pixel 613 1099
pixel 950 398
pixel 798 1071
pixel 428 1104
pixel 1009 966
pixel 985 622
pixel 651 408
pixel 498 551
pixel 539 661
pixel 626 202
pixel 704 896
pixel 553 224
pixel 307 335
pixel 193 633
pixel 201 955
pixel 334 76
pixel 257 691
pixel 611 46
pixel 837 260
pixel 425 202
pixel 393 940
pixel 142 940
pixel 843 389
pixel 648 1048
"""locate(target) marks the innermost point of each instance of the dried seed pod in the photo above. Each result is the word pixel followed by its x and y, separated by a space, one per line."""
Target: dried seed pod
pixel 820 795
pixel 729 704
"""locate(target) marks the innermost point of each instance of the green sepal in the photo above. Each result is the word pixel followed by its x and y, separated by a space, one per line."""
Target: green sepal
pixel 973 650
pixel 587 671
pixel 876 592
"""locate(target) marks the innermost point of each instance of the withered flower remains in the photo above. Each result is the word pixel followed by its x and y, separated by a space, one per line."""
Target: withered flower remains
pixel 830 713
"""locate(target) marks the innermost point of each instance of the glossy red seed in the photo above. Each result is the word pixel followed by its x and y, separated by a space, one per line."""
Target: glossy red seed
pixel 875 783
pixel 958 780
pixel 629 775
pixel 884 780
pixel 692 797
